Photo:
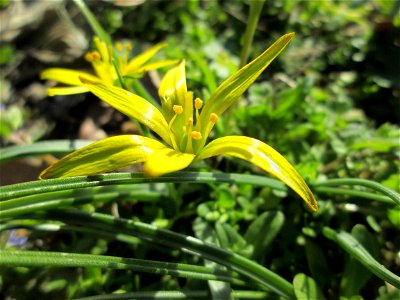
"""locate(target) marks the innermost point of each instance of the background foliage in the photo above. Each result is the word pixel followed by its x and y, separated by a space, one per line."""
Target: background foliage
pixel 329 103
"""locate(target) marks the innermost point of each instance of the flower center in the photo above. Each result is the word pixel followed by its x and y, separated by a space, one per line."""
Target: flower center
pixel 186 127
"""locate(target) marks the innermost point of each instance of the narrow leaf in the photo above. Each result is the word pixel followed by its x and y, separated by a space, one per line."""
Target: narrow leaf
pixel 62 260
pixel 40 148
pixel 306 288
pixel 355 275
pixel 348 243
pixel 263 230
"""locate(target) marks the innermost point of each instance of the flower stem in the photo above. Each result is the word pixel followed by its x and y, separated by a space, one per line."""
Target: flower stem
pixel 254 15
pixel 100 32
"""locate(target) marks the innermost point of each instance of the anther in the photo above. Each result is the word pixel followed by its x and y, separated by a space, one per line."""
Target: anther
pixel 213 118
pixel 196 135
pixel 89 57
pixel 178 109
pixel 198 103
pixel 128 46
pixel 95 55
pixel 118 45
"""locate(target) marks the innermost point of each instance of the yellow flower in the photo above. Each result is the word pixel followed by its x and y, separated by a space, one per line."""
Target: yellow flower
pixel 184 125
pixel 101 60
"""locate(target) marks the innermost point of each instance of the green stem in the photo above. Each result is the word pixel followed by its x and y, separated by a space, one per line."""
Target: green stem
pixel 142 92
pixel 16 258
pixel 355 193
pixel 58 199
pixel 254 15
pixel 99 31
pixel 395 196
pixel 41 148
pixel 59 184
pixel 240 264
pixel 353 247
pixel 161 295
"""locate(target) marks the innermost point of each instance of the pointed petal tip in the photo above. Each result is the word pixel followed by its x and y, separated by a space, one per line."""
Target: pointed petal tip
pixel 313 205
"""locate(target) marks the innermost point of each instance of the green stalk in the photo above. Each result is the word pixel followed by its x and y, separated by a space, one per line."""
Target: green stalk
pixel 355 193
pixel 127 231
pixel 240 264
pixel 143 130
pixel 16 258
pixel 41 148
pixel 349 244
pixel 99 31
pixel 167 295
pixel 209 78
pixel 141 91
pixel 59 184
pixel 59 199
pixel 395 196
pixel 254 15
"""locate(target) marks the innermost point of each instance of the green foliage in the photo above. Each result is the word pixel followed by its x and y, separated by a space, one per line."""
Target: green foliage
pixel 328 104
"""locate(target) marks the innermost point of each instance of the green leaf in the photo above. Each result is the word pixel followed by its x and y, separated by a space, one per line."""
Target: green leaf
pixel 96 27
pixel 61 260
pixel 394 216
pixel 40 148
pixel 355 275
pixel 353 247
pixel 306 288
pixel 230 239
pixel 395 196
pixel 317 263
pixel 263 230
pixel 45 186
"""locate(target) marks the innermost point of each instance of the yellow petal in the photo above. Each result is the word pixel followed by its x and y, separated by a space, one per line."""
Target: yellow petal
pixel 263 156
pixel 173 90
pixel 133 106
pixel 156 65
pixel 66 76
pixel 233 87
pixel 138 61
pixel 66 90
pixel 103 156
pixel 165 161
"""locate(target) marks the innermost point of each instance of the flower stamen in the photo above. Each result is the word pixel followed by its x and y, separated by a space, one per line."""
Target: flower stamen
pixel 118 45
pixel 198 103
pixel 196 135
pixel 128 46
pixel 213 119
pixel 178 109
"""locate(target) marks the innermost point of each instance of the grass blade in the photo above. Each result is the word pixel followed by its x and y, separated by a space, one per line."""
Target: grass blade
pixel 52 185
pixel 41 148
pixel 353 247
pixel 240 264
pixel 48 259
pixel 395 196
